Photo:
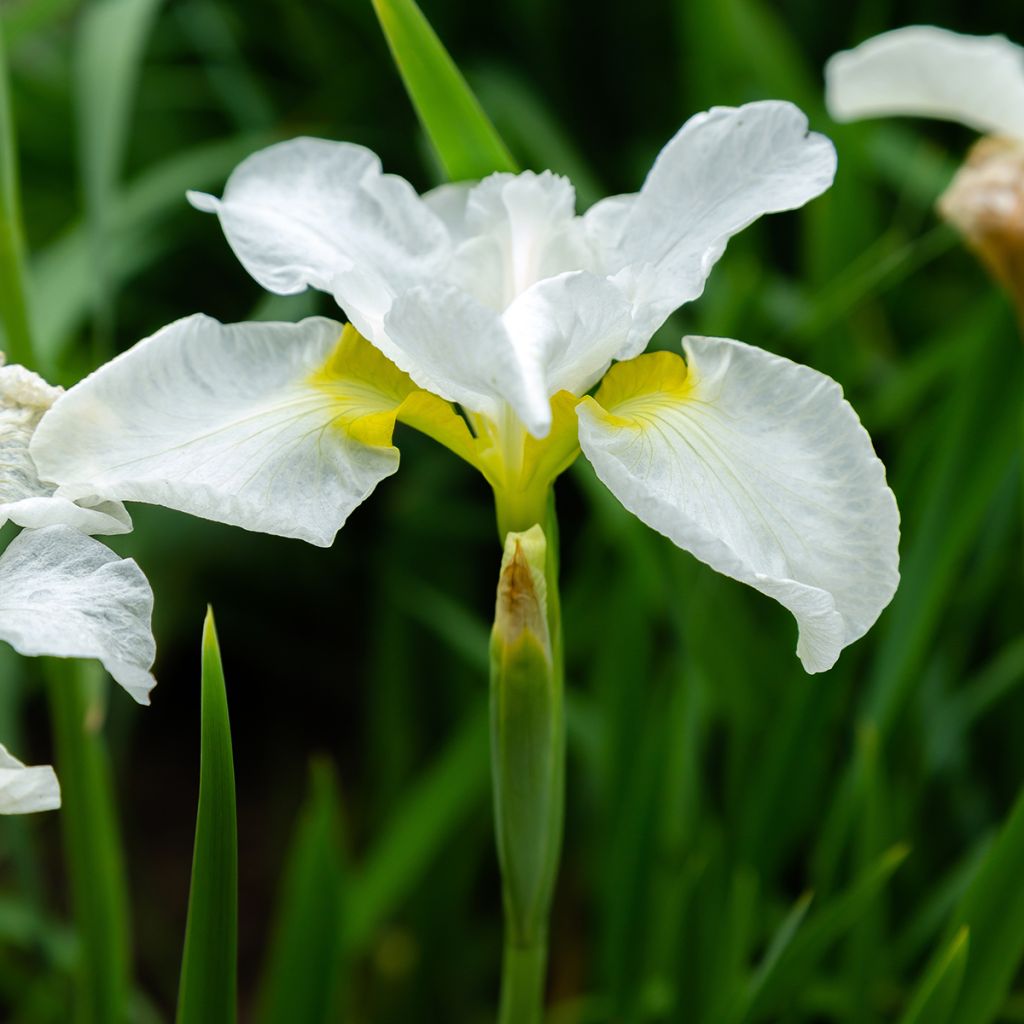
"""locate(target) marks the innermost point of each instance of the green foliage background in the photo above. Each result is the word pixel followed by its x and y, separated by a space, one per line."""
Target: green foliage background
pixel 713 787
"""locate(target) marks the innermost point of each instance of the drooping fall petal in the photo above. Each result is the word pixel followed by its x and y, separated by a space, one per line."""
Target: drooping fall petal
pixel 278 428
pixel 761 469
pixel 65 595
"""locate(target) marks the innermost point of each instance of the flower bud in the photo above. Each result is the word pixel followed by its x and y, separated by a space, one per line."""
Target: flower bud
pixel 527 739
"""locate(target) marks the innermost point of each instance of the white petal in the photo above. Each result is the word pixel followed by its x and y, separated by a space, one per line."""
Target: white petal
pixel 517 230
pixel 448 202
pixel 224 421
pixel 722 170
pixel 570 327
pixel 443 326
pixel 24 789
pixel 304 212
pixel 931 72
pixel 761 469
pixel 24 498
pixel 68 596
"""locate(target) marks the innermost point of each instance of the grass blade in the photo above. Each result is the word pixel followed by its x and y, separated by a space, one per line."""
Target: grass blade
pixel 936 994
pixel 109 47
pixel 425 819
pixel 92 845
pixel 14 320
pixel 462 134
pixel 795 964
pixel 209 962
pixel 993 909
pixel 62 282
pixel 302 981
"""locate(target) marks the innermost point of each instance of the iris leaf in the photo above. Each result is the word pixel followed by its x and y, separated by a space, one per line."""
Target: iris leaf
pixel 303 976
pixel 936 993
pixel 462 134
pixel 208 985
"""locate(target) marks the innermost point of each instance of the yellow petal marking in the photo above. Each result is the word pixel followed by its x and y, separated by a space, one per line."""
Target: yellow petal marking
pixel 366 388
pixel 370 393
pixel 633 389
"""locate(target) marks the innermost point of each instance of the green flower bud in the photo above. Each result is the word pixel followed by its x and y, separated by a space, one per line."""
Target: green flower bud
pixel 527 743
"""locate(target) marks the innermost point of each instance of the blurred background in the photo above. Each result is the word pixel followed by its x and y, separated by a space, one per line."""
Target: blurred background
pixel 712 785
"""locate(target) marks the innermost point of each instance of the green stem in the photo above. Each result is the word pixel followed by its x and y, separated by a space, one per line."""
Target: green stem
pixel 522 983
pixel 14 308
pixel 92 846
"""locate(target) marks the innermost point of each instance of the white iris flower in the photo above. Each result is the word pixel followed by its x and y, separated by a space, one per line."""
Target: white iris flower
pixel 62 593
pixel 977 81
pixel 483 314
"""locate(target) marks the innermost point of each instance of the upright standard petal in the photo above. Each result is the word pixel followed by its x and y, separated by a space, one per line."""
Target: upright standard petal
pixel 460 349
pixel 309 212
pixel 25 789
pixel 722 170
pixel 24 498
pixel 570 328
pixel 761 469
pixel 275 427
pixel 68 596
pixel 931 72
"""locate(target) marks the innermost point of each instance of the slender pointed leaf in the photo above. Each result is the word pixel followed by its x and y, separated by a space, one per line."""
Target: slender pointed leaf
pixel 835 919
pixel 92 845
pixel 427 816
pixel 462 134
pixel 15 331
pixel 303 978
pixel 109 48
pixel 993 909
pixel 209 963
pixel 937 992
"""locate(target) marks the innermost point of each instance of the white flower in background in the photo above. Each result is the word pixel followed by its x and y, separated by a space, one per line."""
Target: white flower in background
pixel 977 81
pixel 482 314
pixel 24 498
pixel 25 788
pixel 62 593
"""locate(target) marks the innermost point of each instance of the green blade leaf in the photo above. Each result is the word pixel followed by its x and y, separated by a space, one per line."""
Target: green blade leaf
pixel 208 968
pixel 993 909
pixel 462 134
pixel 791 968
pixel 92 843
pixel 936 993
pixel 302 980
pixel 109 49
pixel 426 818
pixel 15 329
pixel 62 280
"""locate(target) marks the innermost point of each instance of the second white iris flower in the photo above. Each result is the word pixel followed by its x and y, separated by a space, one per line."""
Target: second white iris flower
pixel 483 314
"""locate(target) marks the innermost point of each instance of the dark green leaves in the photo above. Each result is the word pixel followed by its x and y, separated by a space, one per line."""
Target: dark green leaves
pixel 303 979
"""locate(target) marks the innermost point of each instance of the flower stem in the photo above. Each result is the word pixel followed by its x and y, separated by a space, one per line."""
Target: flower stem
pixel 92 846
pixel 522 983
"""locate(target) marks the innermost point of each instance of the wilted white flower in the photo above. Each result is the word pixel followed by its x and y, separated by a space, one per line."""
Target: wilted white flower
pixel 483 314
pixel 62 593
pixel 977 81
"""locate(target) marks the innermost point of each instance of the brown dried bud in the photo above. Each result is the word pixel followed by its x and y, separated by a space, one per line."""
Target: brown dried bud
pixel 985 203
pixel 522 593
